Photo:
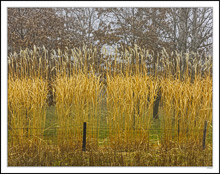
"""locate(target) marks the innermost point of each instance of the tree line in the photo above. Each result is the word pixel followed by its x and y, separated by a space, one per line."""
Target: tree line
pixel 175 29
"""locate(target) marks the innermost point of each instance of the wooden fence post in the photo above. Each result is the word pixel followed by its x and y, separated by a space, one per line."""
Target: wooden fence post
pixel 50 88
pixel 134 113
pixel 178 129
pixel 27 122
pixel 156 105
pixel 204 135
pixel 84 137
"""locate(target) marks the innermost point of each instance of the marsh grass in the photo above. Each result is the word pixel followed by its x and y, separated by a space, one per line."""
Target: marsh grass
pixel 50 95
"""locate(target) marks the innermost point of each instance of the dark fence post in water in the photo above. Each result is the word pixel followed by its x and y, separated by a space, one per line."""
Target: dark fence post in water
pixel 84 137
pixel 156 105
pixel 204 135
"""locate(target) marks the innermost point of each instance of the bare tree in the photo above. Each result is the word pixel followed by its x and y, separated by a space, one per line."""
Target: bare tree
pixel 33 26
pixel 188 29
pixel 134 25
pixel 181 29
